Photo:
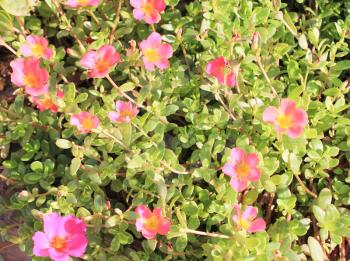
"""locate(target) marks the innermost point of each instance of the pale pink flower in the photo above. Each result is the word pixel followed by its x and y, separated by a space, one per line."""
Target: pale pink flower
pixel 36 46
pixel 248 220
pixel 84 121
pixel 28 74
pixel 242 168
pixel 221 70
pixel 155 53
pixel 125 112
pixel 82 3
pixel 151 223
pixel 148 10
pixel 45 102
pixel 100 62
pixel 62 237
pixel 287 119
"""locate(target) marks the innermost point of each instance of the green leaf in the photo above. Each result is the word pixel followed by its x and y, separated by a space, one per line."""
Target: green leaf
pixel 315 249
pixel 324 198
pixel 63 144
pixel 36 166
pixel 74 166
pixel 18 7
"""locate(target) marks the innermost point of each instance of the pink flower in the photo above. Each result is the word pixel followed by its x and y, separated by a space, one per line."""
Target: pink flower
pixel 125 112
pixel 287 119
pixel 46 102
pixel 151 223
pixel 248 220
pixel 84 121
pixel 100 62
pixel 82 3
pixel 28 74
pixel 155 53
pixel 242 168
pixel 62 237
pixel 148 10
pixel 221 69
pixel 36 46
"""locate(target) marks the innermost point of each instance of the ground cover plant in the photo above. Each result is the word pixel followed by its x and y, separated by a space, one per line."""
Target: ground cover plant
pixel 175 130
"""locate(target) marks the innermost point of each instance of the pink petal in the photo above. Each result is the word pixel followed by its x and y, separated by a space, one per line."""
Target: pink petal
pixel 254 174
pixel 257 225
pixel 228 169
pixel 163 64
pixel 41 244
pixel 143 211
pixel 287 106
pixel 114 116
pixel 149 234
pixel 26 50
pixel 75 120
pixel 252 160
pixel 238 212
pixel 17 75
pixel 300 117
pixel 37 91
pixel 48 53
pixel 96 122
pixel 136 3
pixel 295 131
pixel 231 80
pixel 139 224
pixel 148 65
pixel 216 66
pixel 164 227
pixel 88 60
pixel 51 223
pixel 270 115
pixel 237 155
pixel 238 185
pixel 249 213
pixel 98 74
pixel 165 50
pixel 159 5
pixel 73 225
pixel 77 245
pixel 58 256
pixel 154 40
pixel 138 14
pixel 153 19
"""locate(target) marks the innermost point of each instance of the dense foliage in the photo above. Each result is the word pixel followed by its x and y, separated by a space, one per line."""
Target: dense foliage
pixel 229 119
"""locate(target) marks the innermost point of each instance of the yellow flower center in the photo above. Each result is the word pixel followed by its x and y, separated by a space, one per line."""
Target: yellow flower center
pixel 242 169
pixel 148 8
pixel 243 223
pixel 126 113
pixel 82 2
pixel 152 55
pixel 284 121
pixel 31 80
pixel 58 243
pixel 87 123
pixel 152 223
pixel 102 65
pixel 37 50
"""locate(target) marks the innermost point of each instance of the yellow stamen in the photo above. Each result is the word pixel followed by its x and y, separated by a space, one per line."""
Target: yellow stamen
pixel 38 50
pixel 284 121
pixel 242 169
pixel 151 55
pixel 58 243
pixel 152 223
pixel 148 8
pixel 87 123
pixel 242 223
pixel 31 80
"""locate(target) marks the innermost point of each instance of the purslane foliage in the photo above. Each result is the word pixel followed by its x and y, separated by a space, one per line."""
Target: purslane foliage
pixel 129 119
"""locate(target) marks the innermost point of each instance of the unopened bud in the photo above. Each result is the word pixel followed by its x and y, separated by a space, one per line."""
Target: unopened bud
pixel 23 195
pixel 255 41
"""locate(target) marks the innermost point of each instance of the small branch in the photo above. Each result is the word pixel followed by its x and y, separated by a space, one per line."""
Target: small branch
pixel 116 21
pixel 93 17
pixel 21 26
pixel 8 180
pixel 202 233
pixel 258 61
pixel 304 187
pixel 225 106
pixel 153 28
pixel 3 43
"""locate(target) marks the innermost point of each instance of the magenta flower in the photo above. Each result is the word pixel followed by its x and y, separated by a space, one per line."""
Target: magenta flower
pixel 151 223
pixel 248 220
pixel 28 74
pixel 148 10
pixel 62 237
pixel 221 70
pixel 242 168
pixel 100 62
pixel 287 119
pixel 46 103
pixel 155 53
pixel 82 3
pixel 125 112
pixel 36 46
pixel 84 121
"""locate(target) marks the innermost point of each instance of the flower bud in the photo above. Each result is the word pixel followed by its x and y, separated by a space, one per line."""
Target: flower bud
pixel 255 41
pixel 23 195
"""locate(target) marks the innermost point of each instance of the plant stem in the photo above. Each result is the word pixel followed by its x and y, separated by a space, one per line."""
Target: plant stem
pixel 21 26
pixel 116 21
pixel 208 234
pixel 258 60
pixel 3 43
pixel 8 180
pixel 153 28
pixel 225 106
pixel 304 187
pixel 93 16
